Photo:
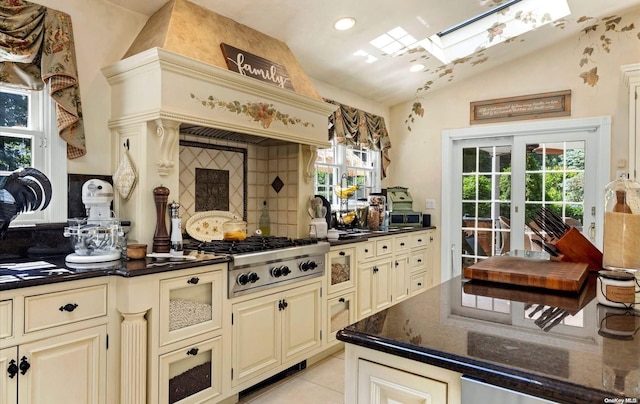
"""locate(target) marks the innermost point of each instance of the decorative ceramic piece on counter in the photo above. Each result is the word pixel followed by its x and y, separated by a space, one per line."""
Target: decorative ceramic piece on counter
pixel 207 226
pixel 333 235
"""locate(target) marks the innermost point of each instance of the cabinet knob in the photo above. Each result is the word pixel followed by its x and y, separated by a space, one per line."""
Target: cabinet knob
pixel 419 240
pixel 194 281
pixel 282 304
pixel 68 307
pixel 419 260
pixel 401 244
pixel 12 369
pixel 24 365
pixel 430 238
pixel 419 283
pixel 341 300
pixel 193 351
pixel 384 247
pixel 342 253
pixel 375 269
pixel 397 264
pixel 366 250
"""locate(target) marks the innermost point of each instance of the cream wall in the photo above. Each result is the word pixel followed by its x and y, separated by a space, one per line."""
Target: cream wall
pixel 416 154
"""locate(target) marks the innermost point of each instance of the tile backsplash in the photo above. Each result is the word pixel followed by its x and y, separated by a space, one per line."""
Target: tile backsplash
pixel 263 165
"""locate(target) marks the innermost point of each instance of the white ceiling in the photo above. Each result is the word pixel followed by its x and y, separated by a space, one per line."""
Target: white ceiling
pixel 327 55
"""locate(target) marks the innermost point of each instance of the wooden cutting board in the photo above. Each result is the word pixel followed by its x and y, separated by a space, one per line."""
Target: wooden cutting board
pixel 546 274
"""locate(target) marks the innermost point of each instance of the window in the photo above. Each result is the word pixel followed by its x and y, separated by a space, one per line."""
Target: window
pixel 29 138
pixel 346 166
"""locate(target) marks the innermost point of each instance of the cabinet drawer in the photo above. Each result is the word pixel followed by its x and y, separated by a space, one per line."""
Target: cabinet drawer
pixel 341 312
pixel 418 283
pixel 6 318
pixel 419 259
pixel 401 244
pixel 384 247
pixel 64 307
pixel 419 240
pixel 365 250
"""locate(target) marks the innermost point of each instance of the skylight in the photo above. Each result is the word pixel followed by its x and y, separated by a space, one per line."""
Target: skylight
pixel 395 42
pixel 493 27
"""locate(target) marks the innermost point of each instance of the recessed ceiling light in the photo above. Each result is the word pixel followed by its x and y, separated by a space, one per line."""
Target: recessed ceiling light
pixel 416 68
pixel 344 23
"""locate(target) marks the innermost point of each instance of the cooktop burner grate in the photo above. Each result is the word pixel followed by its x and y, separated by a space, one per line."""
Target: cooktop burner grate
pixel 249 245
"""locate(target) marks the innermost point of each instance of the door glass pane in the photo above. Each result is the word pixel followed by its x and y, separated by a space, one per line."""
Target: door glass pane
pixel 555 179
pixel 486 196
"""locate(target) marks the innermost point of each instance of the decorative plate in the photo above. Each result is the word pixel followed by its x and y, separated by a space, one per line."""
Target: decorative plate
pixel 207 226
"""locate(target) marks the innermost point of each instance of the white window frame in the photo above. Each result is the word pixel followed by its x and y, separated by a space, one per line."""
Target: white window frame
pixel 49 155
pixel 340 154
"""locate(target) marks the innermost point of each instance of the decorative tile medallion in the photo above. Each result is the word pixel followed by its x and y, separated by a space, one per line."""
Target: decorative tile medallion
pixel 212 189
pixel 277 184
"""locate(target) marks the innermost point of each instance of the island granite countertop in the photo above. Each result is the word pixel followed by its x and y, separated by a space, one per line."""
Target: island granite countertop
pixel 561 347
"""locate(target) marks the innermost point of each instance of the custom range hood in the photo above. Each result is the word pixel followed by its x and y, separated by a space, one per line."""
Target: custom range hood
pixel 163 63
pixel 175 79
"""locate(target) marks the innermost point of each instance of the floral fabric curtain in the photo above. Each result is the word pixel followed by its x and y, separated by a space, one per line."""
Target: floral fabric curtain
pixel 36 47
pixel 354 127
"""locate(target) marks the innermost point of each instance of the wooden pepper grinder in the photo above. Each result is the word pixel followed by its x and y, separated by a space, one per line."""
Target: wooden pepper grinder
pixel 161 242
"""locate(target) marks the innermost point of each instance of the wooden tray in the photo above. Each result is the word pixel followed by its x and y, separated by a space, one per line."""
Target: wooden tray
pixel 546 274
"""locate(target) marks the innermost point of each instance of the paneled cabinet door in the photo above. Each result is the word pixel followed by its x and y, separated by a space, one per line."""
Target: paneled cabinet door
pixel 400 275
pixel 256 337
pixel 69 368
pixel 270 330
pixel 379 384
pixel 301 321
pixel 374 287
pixel 9 378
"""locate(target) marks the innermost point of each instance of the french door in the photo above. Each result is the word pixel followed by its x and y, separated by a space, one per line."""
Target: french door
pixel 501 176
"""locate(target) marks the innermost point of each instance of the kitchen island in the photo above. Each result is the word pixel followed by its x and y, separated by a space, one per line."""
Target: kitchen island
pixel 559 347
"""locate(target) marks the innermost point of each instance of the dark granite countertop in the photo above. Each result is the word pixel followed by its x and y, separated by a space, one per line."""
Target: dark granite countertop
pixel 18 273
pixel 363 235
pixel 508 337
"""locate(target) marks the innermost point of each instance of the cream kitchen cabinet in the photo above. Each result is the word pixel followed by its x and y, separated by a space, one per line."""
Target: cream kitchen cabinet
pixel 68 368
pixel 274 330
pixel 376 377
pixel 172 330
pixel 341 284
pixel 340 269
pixel 54 343
pixel 374 286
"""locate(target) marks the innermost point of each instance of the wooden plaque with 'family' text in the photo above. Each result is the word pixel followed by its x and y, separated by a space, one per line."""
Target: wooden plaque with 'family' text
pixel 256 67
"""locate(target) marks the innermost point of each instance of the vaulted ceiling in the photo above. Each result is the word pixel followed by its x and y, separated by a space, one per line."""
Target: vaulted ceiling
pixel 328 55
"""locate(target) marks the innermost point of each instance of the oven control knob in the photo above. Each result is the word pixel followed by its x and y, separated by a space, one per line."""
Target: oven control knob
pixel 253 277
pixel 242 279
pixel 285 270
pixel 308 265
pixel 276 272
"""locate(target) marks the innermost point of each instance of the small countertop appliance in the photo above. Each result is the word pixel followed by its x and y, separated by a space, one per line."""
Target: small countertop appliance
pixel 97 237
pixel 400 203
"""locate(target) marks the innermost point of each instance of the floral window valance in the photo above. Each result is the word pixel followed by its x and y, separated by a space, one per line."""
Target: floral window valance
pixel 37 48
pixel 353 127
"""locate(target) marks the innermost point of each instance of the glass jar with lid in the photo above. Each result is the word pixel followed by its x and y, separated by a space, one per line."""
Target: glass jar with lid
pixel 621 225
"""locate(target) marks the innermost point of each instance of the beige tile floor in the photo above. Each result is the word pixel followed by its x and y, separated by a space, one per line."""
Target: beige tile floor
pixel 321 383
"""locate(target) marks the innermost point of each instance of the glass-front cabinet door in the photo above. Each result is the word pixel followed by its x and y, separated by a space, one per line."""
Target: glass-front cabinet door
pixel 191 374
pixel 190 305
pixel 341 269
pixel 341 313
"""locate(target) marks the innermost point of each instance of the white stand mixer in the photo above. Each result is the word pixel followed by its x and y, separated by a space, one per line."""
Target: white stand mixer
pixel 95 238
